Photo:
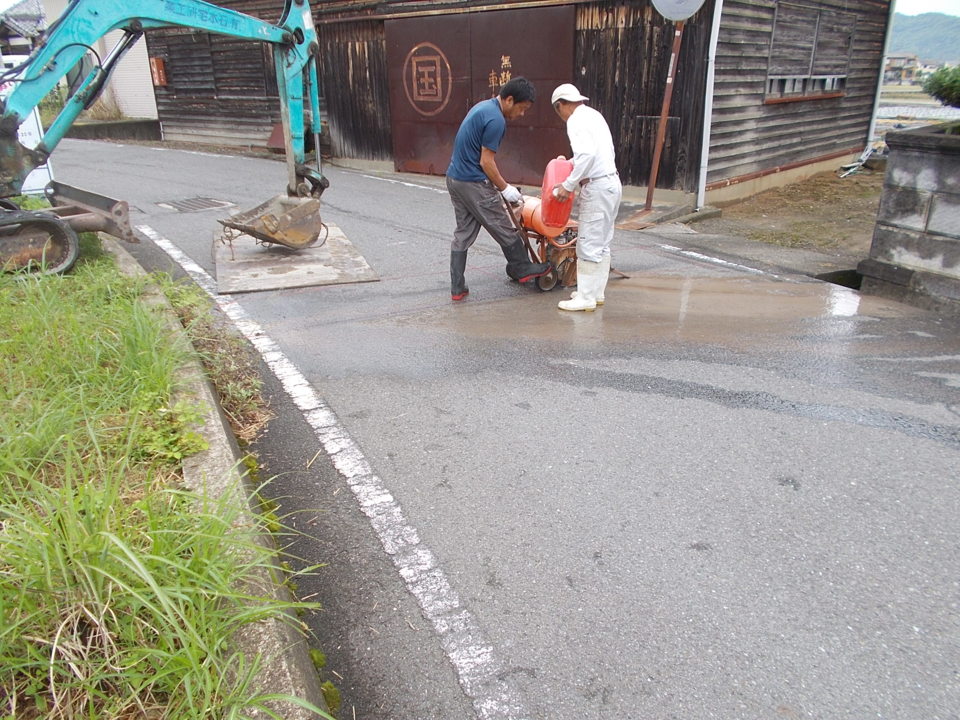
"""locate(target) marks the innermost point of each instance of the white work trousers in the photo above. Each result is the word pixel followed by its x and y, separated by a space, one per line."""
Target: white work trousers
pixel 599 204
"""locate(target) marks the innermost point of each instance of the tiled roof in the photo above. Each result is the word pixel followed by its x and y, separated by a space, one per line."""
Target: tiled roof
pixel 26 18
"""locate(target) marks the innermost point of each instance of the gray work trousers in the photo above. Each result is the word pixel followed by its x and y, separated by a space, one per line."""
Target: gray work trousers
pixel 599 203
pixel 479 205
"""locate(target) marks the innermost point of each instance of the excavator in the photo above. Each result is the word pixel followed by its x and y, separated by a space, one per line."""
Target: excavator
pixel 46 241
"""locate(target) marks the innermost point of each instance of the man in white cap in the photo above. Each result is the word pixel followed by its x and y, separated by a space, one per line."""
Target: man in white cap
pixel 595 173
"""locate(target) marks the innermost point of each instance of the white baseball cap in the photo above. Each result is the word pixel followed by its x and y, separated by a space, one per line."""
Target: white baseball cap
pixel 567 92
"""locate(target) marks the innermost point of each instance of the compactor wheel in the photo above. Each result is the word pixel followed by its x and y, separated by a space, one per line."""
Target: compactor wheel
pixel 549 281
pixel 37 242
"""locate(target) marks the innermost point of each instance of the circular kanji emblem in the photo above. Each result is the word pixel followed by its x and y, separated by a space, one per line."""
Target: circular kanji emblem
pixel 427 79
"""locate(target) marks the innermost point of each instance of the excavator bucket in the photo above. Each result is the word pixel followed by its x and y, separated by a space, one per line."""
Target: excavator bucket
pixel 289 221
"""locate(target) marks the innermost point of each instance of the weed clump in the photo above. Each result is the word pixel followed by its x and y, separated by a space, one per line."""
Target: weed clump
pixel 119 590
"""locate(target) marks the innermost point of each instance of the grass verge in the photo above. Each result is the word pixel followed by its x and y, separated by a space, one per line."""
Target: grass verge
pixel 225 356
pixel 119 590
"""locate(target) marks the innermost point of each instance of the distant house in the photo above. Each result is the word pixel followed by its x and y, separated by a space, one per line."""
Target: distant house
pixel 766 90
pixel 20 24
pixel 901 69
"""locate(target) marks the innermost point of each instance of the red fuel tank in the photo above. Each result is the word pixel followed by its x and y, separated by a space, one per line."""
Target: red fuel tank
pixel 554 213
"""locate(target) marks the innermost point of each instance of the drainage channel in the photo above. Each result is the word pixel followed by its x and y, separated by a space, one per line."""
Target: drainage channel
pixel 195 204
pixel 847 278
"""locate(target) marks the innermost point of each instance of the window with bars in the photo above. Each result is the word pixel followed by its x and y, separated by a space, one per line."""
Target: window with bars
pixel 809 53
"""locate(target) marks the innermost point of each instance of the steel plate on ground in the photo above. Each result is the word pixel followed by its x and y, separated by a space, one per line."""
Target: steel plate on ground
pixel 246 266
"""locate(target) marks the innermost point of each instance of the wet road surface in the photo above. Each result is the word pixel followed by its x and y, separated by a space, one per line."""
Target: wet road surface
pixel 727 493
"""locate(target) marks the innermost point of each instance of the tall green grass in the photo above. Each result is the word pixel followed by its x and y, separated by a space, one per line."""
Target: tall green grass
pixel 119 591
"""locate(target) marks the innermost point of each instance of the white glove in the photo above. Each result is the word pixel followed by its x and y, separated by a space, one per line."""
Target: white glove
pixel 511 195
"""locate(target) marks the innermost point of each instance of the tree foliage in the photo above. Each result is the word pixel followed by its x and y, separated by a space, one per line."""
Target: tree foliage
pixel 944 85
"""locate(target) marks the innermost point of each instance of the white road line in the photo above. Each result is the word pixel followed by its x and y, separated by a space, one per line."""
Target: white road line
pixel 714 260
pixel 407 184
pixel 459 633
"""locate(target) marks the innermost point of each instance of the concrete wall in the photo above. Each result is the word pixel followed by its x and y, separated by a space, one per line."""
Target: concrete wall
pixel 130 87
pixel 131 81
pixel 916 240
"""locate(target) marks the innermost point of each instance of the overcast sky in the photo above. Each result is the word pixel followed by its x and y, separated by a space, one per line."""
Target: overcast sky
pixel 915 7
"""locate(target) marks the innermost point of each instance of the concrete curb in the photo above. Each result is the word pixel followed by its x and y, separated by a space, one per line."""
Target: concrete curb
pixel 217 473
pixel 127 129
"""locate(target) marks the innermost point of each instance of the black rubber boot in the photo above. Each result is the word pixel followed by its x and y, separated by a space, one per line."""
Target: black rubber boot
pixel 519 266
pixel 458 286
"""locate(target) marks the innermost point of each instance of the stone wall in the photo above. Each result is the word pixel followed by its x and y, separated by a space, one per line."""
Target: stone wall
pixel 915 254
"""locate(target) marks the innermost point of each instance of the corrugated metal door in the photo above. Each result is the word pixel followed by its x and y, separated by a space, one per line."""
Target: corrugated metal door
pixel 428 61
pixel 441 66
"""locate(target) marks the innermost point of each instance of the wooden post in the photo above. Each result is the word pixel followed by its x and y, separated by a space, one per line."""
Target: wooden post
pixel 664 114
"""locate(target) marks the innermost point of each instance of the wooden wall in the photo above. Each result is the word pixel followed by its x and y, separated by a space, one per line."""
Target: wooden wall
pixel 353 75
pixel 223 90
pixel 622 51
pixel 623 54
pixel 220 90
pixel 750 137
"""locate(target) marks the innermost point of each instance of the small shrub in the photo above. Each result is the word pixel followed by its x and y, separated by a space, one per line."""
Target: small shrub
pixel 104 109
pixel 944 85
pixel 51 105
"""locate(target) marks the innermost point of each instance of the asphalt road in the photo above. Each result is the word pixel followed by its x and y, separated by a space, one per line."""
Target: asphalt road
pixel 727 494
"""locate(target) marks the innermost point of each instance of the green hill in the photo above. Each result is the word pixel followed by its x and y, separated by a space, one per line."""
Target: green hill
pixel 932 37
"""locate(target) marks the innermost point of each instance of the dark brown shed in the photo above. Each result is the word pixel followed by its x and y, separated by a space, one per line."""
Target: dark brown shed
pixel 773 86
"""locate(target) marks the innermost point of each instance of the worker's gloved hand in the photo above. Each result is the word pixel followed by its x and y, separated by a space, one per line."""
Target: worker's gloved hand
pixel 511 195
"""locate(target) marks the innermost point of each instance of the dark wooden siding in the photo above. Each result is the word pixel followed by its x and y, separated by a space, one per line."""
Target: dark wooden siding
pixel 622 56
pixel 220 89
pixel 353 72
pixel 749 137
pixel 223 89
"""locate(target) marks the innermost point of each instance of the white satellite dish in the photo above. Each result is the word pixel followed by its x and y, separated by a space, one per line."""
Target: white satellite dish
pixel 677 10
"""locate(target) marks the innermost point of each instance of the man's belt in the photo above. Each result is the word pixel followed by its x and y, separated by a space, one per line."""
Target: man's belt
pixel 598 177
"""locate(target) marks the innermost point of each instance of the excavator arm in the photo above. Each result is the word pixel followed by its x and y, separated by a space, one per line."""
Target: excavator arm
pixel 68 41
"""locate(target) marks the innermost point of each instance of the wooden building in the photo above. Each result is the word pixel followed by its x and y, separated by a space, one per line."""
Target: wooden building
pixel 20 25
pixel 770 88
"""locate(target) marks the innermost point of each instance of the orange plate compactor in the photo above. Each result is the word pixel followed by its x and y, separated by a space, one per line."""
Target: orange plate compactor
pixel 546 229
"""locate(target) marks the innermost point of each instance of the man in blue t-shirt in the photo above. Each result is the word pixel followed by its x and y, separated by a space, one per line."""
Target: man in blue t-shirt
pixel 476 186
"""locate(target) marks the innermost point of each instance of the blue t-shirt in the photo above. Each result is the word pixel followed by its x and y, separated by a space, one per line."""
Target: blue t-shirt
pixel 483 127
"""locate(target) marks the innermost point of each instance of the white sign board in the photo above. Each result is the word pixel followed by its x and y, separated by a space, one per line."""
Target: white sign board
pixel 30 133
pixel 677 10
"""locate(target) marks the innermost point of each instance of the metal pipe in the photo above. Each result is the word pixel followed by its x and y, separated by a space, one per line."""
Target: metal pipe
pixel 883 64
pixel 84 221
pixel 664 114
pixel 708 105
